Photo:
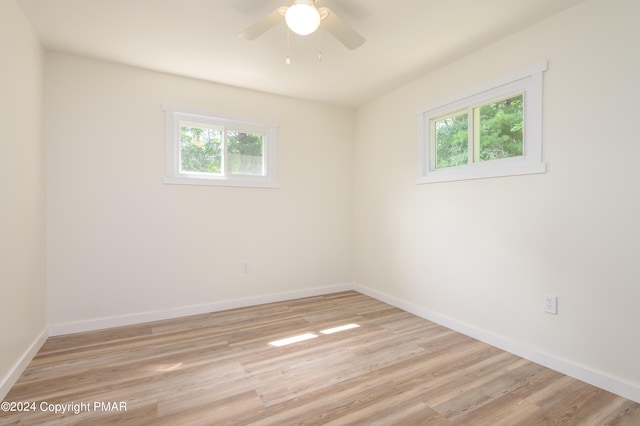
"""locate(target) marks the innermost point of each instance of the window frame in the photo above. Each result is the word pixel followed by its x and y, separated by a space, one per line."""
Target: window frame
pixel 174 115
pixel 528 82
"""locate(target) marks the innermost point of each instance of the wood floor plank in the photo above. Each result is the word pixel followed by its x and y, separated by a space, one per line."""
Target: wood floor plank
pixel 218 368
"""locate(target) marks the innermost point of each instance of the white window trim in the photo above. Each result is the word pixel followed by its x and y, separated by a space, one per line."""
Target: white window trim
pixel 527 81
pixel 175 114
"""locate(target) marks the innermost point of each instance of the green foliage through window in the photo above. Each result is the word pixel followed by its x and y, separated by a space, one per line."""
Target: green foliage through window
pixel 202 151
pixel 245 153
pixel 452 141
pixel 497 133
pixel 501 125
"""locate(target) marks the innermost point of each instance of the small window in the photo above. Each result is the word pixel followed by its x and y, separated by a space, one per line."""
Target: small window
pixel 494 130
pixel 203 149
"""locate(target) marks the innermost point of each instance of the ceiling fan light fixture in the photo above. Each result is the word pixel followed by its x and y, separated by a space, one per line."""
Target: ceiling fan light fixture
pixel 302 17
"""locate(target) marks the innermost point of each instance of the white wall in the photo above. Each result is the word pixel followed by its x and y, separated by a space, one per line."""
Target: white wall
pixel 484 252
pixel 120 242
pixel 22 214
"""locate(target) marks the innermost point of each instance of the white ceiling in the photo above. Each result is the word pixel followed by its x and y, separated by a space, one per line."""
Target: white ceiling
pixel 198 38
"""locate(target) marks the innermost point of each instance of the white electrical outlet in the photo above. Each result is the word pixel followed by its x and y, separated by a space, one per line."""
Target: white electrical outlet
pixel 551 304
pixel 245 267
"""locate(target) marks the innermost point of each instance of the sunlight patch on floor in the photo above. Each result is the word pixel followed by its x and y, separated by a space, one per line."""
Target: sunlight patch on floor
pixel 340 328
pixel 294 339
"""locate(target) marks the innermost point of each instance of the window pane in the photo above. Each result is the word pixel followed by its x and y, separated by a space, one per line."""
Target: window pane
pixel 200 150
pixel 500 130
pixel 452 143
pixel 246 153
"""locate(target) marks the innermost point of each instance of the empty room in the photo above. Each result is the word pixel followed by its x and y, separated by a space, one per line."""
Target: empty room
pixel 335 212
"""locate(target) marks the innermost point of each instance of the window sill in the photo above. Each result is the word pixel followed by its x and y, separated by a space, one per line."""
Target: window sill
pixel 481 171
pixel 208 181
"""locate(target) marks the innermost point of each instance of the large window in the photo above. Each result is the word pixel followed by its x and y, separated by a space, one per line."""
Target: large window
pixel 205 150
pixel 494 130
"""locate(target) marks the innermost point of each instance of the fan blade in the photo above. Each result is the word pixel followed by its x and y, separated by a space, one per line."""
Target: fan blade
pixel 340 30
pixel 263 25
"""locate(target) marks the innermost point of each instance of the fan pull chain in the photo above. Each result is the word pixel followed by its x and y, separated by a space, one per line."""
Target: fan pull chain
pixel 319 46
pixel 288 59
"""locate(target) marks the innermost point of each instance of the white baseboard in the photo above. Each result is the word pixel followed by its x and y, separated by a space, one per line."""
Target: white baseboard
pixel 601 380
pixel 16 371
pixel 102 323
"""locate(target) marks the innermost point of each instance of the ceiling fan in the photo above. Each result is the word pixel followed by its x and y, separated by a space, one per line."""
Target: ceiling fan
pixel 303 17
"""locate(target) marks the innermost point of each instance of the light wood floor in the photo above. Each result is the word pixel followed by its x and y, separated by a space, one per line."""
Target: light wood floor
pixel 218 369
